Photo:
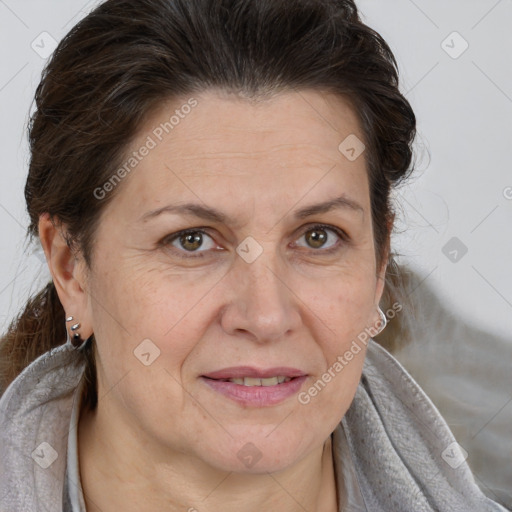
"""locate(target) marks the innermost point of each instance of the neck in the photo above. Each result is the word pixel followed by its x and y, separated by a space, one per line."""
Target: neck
pixel 149 479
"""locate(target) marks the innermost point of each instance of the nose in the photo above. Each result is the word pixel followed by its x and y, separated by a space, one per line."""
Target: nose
pixel 261 306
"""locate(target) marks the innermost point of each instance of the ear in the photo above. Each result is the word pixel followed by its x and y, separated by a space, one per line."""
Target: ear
pixel 69 274
pixel 381 279
pixel 381 272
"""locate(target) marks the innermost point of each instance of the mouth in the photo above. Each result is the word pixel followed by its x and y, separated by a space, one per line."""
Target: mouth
pixel 254 381
pixel 242 372
pixel 257 388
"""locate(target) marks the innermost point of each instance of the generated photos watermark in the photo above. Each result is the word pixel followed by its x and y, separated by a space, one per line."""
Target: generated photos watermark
pixel 343 360
pixel 151 142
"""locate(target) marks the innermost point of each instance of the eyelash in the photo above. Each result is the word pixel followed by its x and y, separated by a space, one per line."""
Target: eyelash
pixel 200 254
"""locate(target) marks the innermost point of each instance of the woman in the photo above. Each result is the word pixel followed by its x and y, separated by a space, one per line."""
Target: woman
pixel 210 183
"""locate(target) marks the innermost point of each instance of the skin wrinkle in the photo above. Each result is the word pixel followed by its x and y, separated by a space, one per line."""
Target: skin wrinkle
pixel 252 155
pixel 161 435
pixel 213 215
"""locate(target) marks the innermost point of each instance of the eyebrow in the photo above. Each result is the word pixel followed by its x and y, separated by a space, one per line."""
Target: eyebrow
pixel 214 215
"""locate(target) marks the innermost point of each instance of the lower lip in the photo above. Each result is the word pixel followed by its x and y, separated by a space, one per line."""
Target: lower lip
pixel 257 396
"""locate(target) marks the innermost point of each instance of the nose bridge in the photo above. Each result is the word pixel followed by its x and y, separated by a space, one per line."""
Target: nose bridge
pixel 264 279
pixel 262 303
pixel 265 286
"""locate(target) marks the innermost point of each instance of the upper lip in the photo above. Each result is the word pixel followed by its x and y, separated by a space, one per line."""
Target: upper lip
pixel 237 372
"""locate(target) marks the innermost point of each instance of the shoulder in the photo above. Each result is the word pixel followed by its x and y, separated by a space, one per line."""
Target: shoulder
pixel 35 412
pixel 405 455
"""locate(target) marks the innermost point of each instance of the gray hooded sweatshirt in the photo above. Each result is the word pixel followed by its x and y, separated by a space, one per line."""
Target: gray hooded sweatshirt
pixel 392 450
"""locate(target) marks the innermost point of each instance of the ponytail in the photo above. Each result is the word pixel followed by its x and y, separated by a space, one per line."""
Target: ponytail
pixel 36 330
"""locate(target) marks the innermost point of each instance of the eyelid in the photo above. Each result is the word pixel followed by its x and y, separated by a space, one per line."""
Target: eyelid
pixel 167 240
pixel 318 225
pixel 345 239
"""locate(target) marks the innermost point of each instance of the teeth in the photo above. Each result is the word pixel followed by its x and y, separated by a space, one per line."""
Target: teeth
pixel 252 381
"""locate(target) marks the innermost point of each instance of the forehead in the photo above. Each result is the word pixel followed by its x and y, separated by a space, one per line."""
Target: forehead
pixel 215 140
pixel 302 117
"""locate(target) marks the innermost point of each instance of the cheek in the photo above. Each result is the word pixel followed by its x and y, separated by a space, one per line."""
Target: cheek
pixel 144 337
pixel 344 303
pixel 346 307
pixel 141 301
pixel 139 311
pixel 329 395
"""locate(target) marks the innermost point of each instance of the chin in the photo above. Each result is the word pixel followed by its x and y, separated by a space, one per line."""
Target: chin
pixel 252 454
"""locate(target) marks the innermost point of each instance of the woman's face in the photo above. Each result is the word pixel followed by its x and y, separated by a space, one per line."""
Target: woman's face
pixel 254 284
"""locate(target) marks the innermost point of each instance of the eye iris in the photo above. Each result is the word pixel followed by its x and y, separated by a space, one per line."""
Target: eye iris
pixel 195 239
pixel 318 236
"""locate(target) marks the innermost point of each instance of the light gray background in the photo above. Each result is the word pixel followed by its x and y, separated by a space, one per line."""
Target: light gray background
pixel 462 189
pixel 463 106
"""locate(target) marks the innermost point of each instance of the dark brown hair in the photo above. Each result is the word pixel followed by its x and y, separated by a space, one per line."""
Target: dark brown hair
pixel 127 57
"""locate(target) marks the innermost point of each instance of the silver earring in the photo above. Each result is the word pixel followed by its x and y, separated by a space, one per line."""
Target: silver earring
pixel 75 340
pixel 383 320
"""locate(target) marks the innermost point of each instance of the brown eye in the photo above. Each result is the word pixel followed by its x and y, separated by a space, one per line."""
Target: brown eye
pixel 191 241
pixel 316 237
pixel 323 237
pixel 194 242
